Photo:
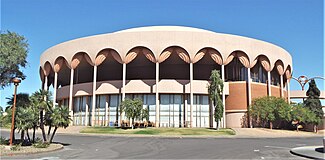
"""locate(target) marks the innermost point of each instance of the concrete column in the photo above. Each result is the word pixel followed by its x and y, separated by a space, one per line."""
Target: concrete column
pixel 249 79
pixel 70 93
pixel 249 86
pixel 281 85
pixel 55 87
pixel 86 112
pixel 191 94
pixel 93 105
pixel 123 90
pixel 223 97
pixel 269 83
pixel 157 95
pixel 124 77
pixel 185 110
pixel 106 111
pixel 288 90
pixel 45 84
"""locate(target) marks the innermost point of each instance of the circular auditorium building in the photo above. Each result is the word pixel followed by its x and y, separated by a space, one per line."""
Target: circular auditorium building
pixel 168 68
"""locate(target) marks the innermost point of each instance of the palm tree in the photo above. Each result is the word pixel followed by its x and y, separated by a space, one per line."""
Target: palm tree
pixel 60 118
pixel 25 120
pixel 34 114
pixel 22 101
pixel 43 103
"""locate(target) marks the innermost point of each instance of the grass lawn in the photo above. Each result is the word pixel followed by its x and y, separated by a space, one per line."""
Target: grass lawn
pixel 159 131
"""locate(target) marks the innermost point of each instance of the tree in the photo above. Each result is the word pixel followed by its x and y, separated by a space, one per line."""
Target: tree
pixel 313 103
pixel 302 115
pixel 43 103
pixel 60 118
pixel 13 54
pixel 215 89
pixel 22 102
pixel 268 109
pixel 133 109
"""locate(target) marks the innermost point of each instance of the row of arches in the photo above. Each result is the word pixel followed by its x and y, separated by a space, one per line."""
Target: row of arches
pixel 173 64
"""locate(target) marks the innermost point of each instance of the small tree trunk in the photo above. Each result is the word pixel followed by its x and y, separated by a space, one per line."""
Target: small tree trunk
pixel 217 127
pixel 315 128
pixel 28 136
pixel 132 123
pixel 271 125
pixel 34 130
pixel 42 126
pixel 49 132
pixel 53 134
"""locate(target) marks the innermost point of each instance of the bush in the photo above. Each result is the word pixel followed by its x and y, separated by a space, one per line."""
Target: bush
pixel 40 144
pixel 4 141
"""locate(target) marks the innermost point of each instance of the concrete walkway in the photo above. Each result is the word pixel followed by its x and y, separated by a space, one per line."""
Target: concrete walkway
pixel 272 133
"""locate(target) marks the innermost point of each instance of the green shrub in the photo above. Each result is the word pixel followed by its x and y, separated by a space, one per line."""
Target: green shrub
pixel 40 144
pixel 4 141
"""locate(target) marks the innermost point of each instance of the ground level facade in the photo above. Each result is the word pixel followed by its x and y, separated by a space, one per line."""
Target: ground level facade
pixel 168 68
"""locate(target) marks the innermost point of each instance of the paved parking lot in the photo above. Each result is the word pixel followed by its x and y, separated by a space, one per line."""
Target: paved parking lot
pixel 108 147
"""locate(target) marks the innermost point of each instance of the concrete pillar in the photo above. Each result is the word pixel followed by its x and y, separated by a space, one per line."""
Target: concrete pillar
pixel 185 110
pixel 249 86
pixel 45 84
pixel 55 87
pixel 157 96
pixel 123 90
pixel 223 97
pixel 281 85
pixel 86 112
pixel 288 90
pixel 93 105
pixel 269 83
pixel 70 93
pixel 106 111
pixel 124 77
pixel 191 94
pixel 249 79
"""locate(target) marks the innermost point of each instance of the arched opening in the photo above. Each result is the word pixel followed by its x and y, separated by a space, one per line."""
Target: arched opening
pixel 174 67
pixel 142 66
pixel 63 72
pixel 278 70
pixel 109 66
pixel 83 72
pixel 258 72
pixel 204 65
pixel 49 73
pixel 235 70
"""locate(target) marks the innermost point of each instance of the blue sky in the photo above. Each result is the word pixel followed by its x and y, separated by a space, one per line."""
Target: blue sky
pixel 295 25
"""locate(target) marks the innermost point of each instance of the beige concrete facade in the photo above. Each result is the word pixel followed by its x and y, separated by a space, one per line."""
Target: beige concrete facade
pixel 171 60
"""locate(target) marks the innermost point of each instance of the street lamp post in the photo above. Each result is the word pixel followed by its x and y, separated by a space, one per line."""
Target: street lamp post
pixel 16 83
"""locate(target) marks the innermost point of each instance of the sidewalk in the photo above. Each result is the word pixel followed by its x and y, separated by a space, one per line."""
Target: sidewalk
pixel 273 133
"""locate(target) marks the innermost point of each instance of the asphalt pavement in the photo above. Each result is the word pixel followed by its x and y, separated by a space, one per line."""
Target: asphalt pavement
pixel 81 146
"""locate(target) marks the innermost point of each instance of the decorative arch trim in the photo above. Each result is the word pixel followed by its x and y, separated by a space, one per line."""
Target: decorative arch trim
pixel 279 67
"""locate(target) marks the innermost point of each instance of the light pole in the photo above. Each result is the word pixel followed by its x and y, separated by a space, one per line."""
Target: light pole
pixel 303 80
pixel 16 83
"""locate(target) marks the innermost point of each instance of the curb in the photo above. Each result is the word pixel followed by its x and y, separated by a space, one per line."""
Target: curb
pixel 308 152
pixel 28 153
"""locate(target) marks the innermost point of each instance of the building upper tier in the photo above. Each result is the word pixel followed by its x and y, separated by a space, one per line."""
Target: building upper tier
pixel 158 42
